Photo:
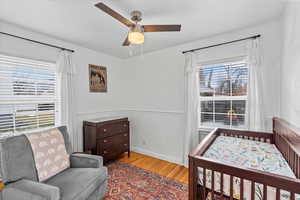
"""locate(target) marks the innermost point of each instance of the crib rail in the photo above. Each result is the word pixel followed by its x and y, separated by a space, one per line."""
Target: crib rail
pixel 249 135
pixel 280 183
pixel 289 153
pixel 287 140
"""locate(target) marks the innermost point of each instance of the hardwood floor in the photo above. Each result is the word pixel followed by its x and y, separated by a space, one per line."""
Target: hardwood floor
pixel 161 167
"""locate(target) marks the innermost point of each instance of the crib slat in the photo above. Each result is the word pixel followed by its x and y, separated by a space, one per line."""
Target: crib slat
pixel 242 189
pixel 213 184
pixel 288 155
pixel 291 157
pixel 277 194
pixel 295 164
pixel 292 196
pixel 298 168
pixel 252 190
pixel 231 187
pixel 222 184
pixel 265 192
pixel 204 183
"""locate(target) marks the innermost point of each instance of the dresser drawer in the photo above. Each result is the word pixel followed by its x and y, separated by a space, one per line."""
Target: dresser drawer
pixel 112 129
pixel 116 139
pixel 114 150
pixel 124 146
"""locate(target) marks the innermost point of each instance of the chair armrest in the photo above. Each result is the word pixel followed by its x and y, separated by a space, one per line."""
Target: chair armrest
pixel 30 190
pixel 85 161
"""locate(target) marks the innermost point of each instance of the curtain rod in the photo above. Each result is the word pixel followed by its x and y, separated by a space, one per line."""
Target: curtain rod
pixel 38 42
pixel 215 45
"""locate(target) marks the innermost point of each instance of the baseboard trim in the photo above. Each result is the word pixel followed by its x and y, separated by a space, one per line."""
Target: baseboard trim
pixel 157 155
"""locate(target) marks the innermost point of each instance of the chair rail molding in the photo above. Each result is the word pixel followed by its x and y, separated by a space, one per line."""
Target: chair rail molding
pixel 176 112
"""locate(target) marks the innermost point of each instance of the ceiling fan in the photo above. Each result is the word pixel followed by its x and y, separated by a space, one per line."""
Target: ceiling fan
pixel 136 32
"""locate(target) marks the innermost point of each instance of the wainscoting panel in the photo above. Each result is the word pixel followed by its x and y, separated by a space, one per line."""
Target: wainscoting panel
pixel 156 133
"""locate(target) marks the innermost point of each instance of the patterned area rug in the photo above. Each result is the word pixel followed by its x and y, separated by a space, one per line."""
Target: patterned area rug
pixel 131 183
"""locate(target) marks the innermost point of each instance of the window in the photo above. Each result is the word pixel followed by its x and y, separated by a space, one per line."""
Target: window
pixel 223 95
pixel 28 95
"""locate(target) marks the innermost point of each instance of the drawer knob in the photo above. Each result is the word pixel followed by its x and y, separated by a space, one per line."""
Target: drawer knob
pixel 104 130
pixel 125 135
pixel 104 141
pixel 105 152
pixel 125 125
pixel 125 145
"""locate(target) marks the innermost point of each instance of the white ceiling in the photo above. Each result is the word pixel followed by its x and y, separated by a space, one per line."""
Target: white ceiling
pixel 79 22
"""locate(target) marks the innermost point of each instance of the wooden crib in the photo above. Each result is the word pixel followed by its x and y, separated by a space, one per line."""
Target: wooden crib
pixel 286 139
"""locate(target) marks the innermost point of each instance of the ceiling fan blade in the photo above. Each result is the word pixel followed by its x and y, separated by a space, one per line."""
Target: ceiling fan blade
pixel 114 14
pixel 161 28
pixel 126 42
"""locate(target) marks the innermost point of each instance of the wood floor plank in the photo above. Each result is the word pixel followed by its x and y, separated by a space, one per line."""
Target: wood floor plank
pixel 156 167
pixel 168 169
pixel 161 167
pixel 175 172
pixel 185 177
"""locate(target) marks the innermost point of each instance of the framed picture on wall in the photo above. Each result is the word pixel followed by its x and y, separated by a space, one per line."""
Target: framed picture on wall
pixel 98 78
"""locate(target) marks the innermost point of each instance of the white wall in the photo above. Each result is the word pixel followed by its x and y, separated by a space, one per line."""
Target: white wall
pixel 290 70
pixel 89 105
pixel 155 95
pixel 149 89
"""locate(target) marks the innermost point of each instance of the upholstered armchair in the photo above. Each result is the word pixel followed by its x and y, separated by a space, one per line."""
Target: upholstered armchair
pixel 86 179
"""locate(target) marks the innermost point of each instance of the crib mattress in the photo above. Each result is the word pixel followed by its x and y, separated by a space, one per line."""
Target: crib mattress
pixel 248 154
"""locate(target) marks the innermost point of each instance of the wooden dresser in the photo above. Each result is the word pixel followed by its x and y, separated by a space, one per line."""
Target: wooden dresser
pixel 107 137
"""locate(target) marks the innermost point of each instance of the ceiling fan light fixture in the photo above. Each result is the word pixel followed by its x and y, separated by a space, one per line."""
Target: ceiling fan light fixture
pixel 136 35
pixel 136 32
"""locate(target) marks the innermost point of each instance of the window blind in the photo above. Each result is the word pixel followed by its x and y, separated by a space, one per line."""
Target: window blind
pixel 223 94
pixel 28 95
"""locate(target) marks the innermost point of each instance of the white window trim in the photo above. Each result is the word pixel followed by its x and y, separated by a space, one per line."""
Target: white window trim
pixel 223 61
pixel 38 64
pixel 226 61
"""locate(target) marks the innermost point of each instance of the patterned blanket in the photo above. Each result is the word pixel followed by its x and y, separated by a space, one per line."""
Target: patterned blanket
pixel 49 152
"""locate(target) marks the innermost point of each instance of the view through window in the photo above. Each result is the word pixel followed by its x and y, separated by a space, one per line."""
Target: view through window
pixel 223 95
pixel 28 95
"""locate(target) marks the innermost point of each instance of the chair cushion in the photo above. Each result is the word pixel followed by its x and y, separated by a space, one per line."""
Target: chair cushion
pixel 78 183
pixel 16 159
pixel 64 132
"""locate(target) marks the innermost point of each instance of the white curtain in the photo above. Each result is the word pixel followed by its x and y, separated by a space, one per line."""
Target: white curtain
pixel 191 105
pixel 256 119
pixel 66 75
